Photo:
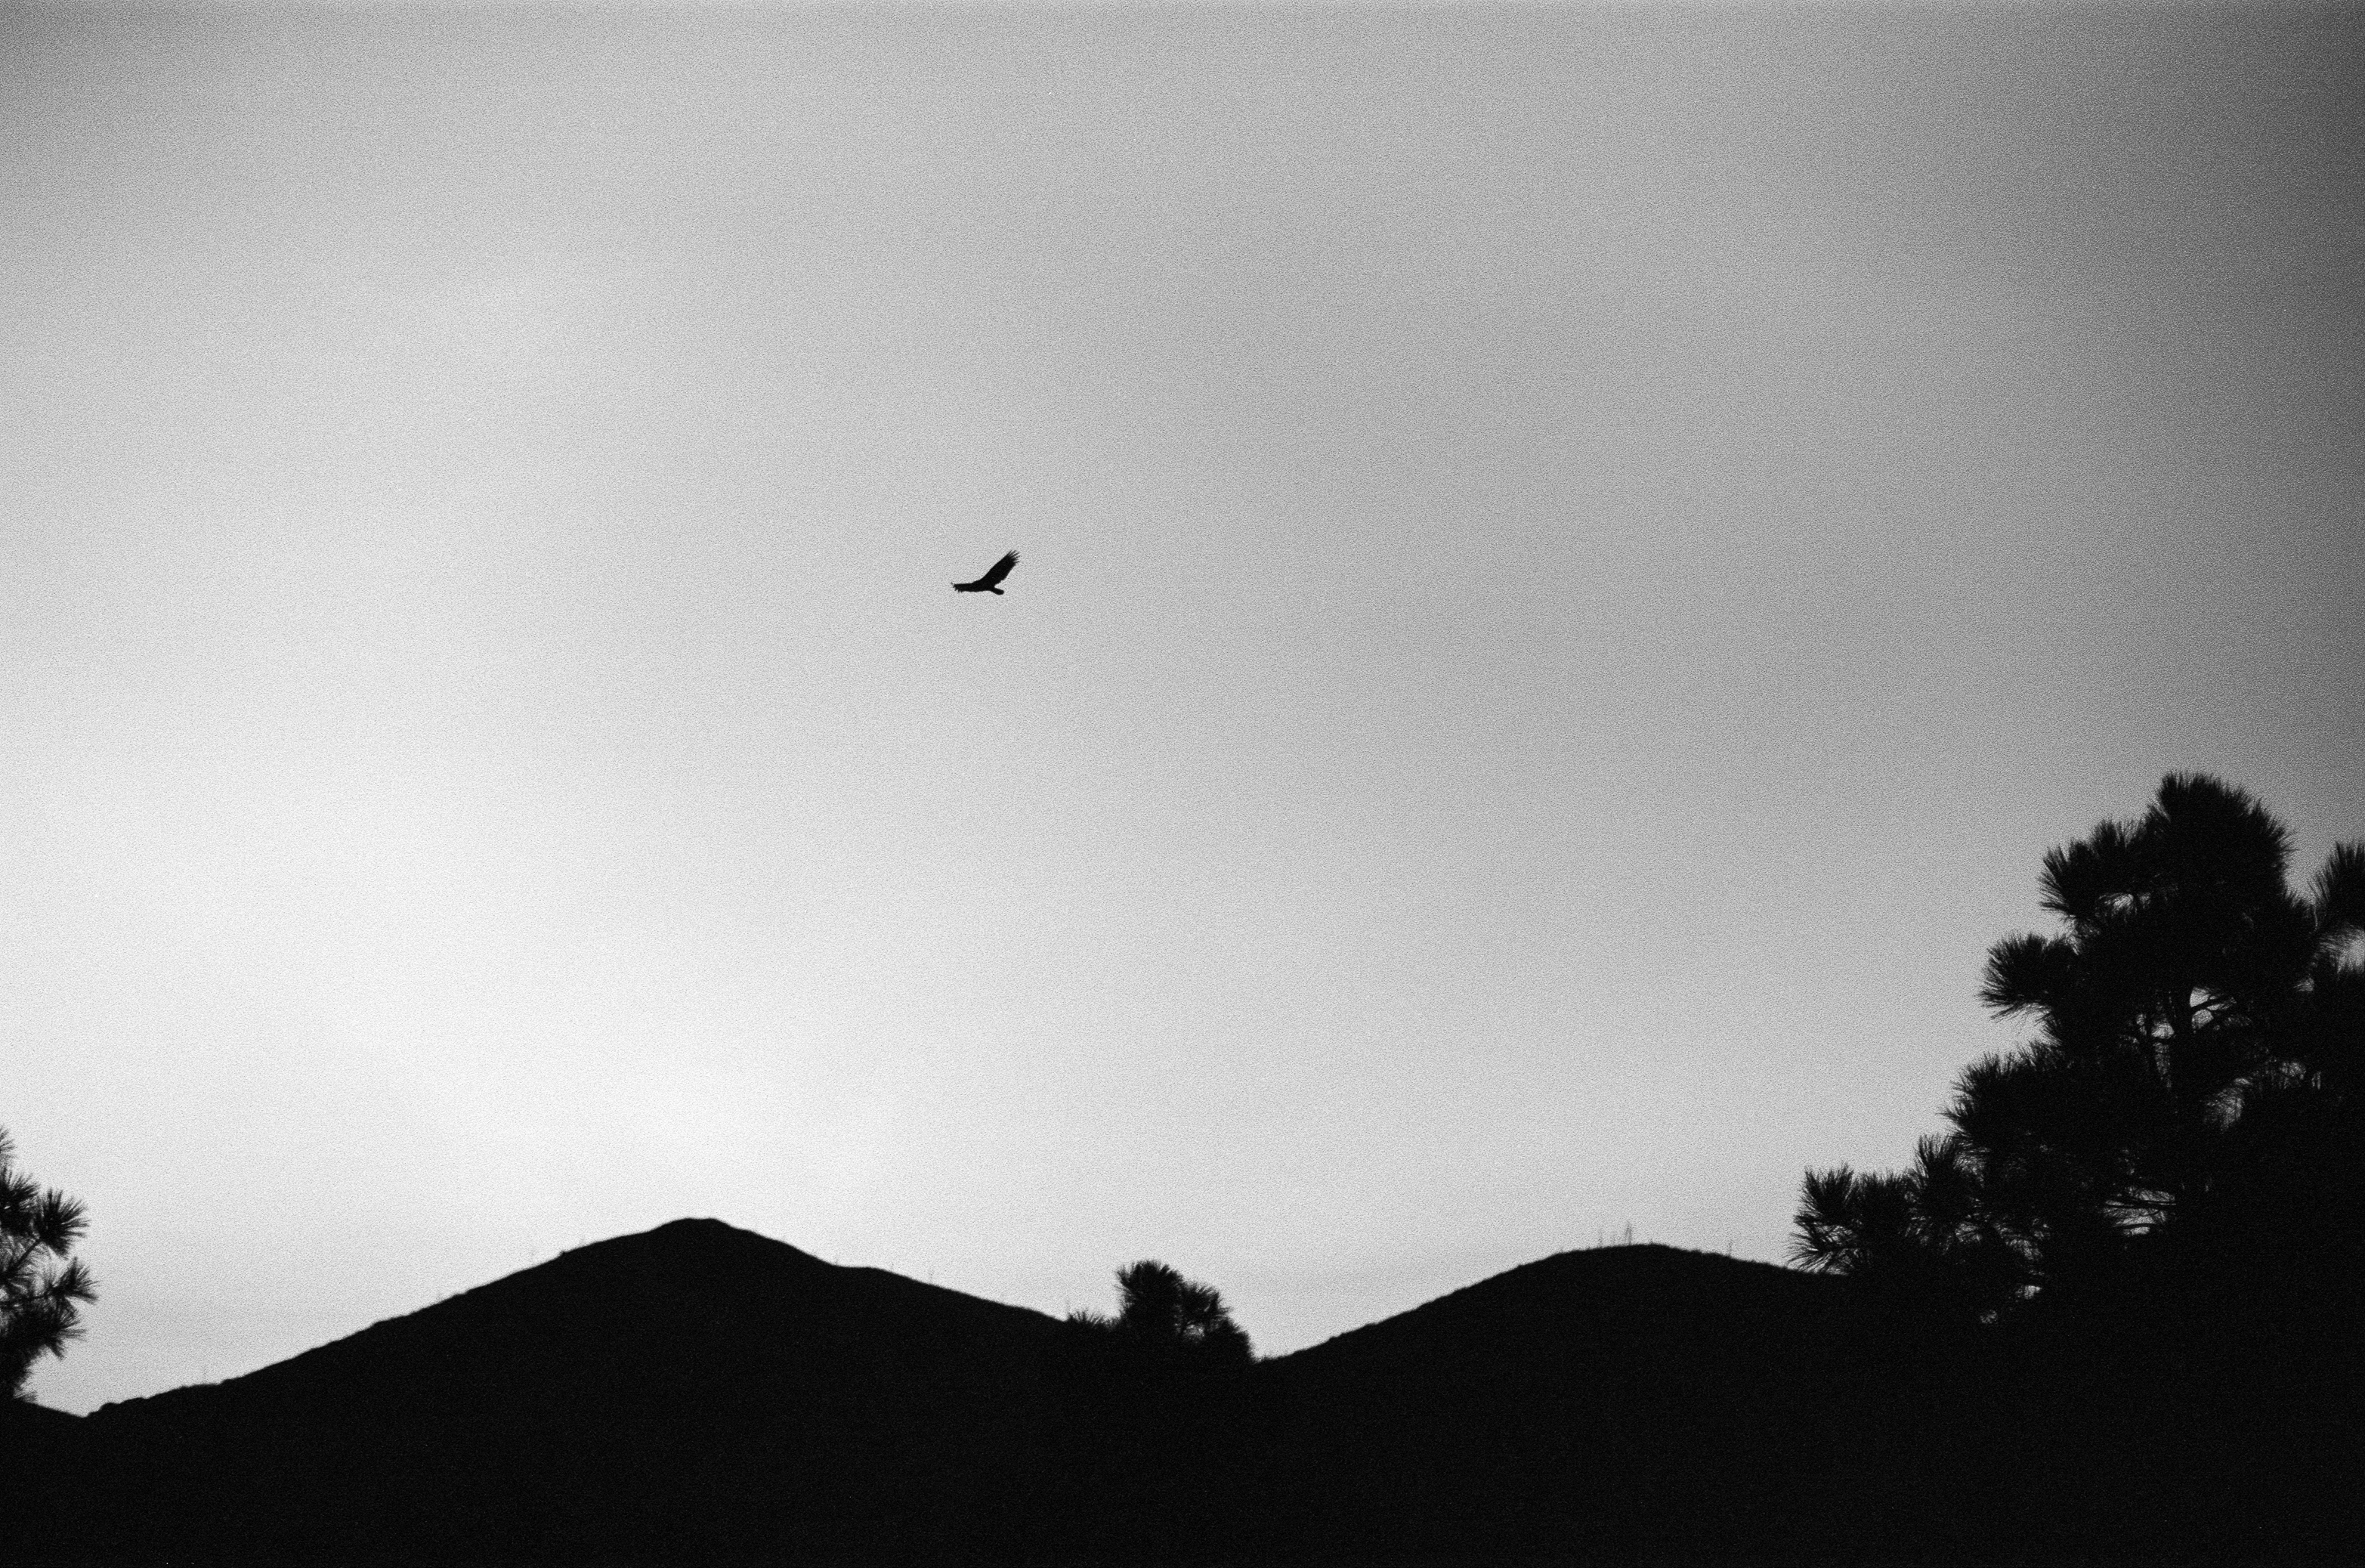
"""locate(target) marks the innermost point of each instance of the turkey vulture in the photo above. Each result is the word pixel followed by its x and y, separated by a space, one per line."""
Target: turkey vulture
pixel 991 581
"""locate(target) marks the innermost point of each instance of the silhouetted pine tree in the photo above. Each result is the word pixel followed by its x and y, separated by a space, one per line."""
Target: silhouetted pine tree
pixel 41 1302
pixel 2159 1197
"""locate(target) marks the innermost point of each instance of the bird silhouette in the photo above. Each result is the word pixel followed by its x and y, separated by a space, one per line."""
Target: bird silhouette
pixel 990 582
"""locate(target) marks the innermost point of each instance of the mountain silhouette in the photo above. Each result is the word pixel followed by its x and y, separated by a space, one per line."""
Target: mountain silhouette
pixel 693 1392
pixel 1624 1399
pixel 697 1392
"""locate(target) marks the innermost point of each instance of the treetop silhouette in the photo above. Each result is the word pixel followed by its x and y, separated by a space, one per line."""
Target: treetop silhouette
pixel 2197 1048
pixel 1159 1310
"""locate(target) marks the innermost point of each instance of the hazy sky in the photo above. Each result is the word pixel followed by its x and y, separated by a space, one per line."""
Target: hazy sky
pixel 1576 559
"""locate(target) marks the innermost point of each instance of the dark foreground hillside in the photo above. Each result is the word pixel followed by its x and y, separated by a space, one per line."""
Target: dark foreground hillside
pixel 701 1393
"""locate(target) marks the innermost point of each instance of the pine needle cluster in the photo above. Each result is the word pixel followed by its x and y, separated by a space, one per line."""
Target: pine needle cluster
pixel 42 1290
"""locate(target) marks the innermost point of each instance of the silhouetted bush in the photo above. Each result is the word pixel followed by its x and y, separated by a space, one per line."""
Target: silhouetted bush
pixel 1162 1444
pixel 1159 1313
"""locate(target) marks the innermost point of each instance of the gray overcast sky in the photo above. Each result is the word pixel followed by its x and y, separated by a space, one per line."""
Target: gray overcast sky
pixel 1575 559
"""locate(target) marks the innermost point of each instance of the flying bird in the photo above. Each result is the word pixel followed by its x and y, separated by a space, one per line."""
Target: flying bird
pixel 991 581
